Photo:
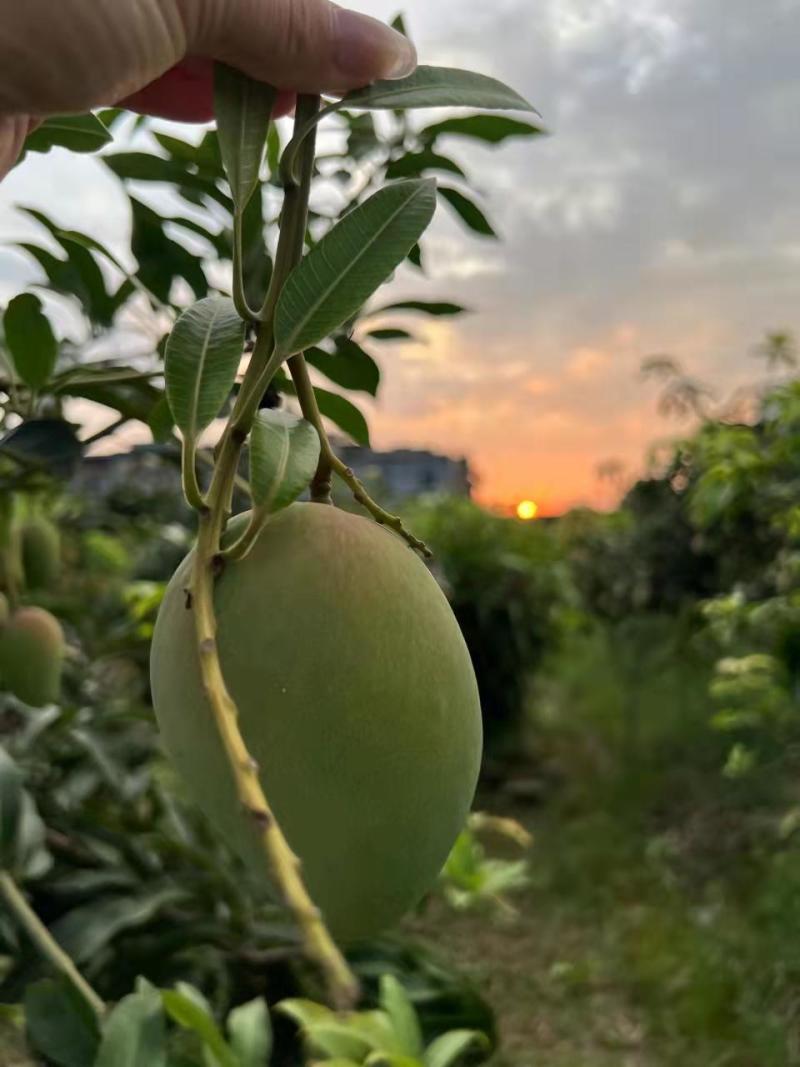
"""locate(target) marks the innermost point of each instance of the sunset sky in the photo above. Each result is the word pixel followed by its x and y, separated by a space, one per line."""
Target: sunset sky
pixel 661 215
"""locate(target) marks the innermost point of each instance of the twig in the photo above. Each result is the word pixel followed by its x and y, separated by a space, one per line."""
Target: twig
pixel 308 404
pixel 45 943
pixel 285 866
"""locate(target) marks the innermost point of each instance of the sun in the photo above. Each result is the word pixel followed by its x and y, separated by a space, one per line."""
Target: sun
pixel 527 509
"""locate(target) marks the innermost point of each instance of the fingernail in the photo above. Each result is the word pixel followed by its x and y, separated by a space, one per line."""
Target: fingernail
pixel 367 50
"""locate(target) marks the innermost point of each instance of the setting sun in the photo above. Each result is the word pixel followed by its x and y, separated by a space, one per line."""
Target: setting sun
pixel 527 509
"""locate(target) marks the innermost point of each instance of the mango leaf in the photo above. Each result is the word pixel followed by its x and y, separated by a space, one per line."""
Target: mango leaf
pixel 468 211
pixel 493 129
pixel 284 453
pixel 395 1002
pixel 426 307
pixel 399 23
pixel 78 133
pixel 188 1009
pixel 445 1050
pixel 414 163
pixel 339 410
pixel 47 444
pixel 348 366
pixel 437 87
pixel 60 1024
pixel 30 339
pixel 23 851
pixel 391 333
pixel 135 1033
pixel 84 931
pixel 250 1033
pixel 82 277
pixel 11 793
pixel 161 260
pixel 202 357
pixel 381 1059
pixel 338 275
pixel 243 108
pixel 145 167
pixel 160 421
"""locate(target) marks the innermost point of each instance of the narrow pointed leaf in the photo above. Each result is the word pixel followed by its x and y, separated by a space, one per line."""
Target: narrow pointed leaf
pixel 395 1002
pixel 78 133
pixel 60 1024
pixel 348 366
pixel 191 1013
pixel 340 411
pixel 445 1050
pixel 30 340
pixel 202 357
pixel 468 212
pixel 426 307
pixel 492 129
pixel 438 87
pixel 284 453
pixel 135 1033
pixel 243 109
pixel 339 274
pixel 250 1033
pixel 414 163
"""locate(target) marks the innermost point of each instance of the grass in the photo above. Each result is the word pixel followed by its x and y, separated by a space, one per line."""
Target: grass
pixel 662 927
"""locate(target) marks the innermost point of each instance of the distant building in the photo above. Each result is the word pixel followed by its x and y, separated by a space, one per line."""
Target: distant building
pixel 404 472
pixel 151 470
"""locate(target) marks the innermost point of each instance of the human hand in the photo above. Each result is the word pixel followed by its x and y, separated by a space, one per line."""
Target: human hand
pixel 157 56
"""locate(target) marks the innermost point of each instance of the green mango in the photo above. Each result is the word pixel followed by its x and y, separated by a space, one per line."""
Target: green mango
pixel 40 545
pixel 31 656
pixel 356 698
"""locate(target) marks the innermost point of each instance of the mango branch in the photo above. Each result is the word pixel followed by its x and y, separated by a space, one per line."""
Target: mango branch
pixel 47 946
pixel 284 865
pixel 329 461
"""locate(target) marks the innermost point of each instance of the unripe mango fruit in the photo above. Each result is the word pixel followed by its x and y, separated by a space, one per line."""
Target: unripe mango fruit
pixel 31 656
pixel 40 545
pixel 356 698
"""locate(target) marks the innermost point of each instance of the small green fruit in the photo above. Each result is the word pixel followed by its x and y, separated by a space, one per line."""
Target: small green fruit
pixel 31 655
pixel 41 553
pixel 357 699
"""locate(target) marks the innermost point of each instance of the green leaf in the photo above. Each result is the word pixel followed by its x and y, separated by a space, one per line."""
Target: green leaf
pixel 468 211
pixel 348 366
pixel 30 339
pixel 445 1050
pixel 160 421
pixel 187 1008
pixel 60 1024
pixel 50 445
pixel 84 931
pixel 493 129
pixel 391 333
pixel 78 133
pixel 395 1002
pixel 338 275
pixel 284 453
pixel 145 167
pixel 202 357
pixel 340 411
pixel 438 87
pixel 414 163
pixel 161 260
pixel 250 1033
pixel 426 307
pixel 399 23
pixel 243 109
pixel 11 794
pixel 135 1033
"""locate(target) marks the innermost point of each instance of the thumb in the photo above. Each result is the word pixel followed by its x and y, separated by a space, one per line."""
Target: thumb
pixel 309 46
